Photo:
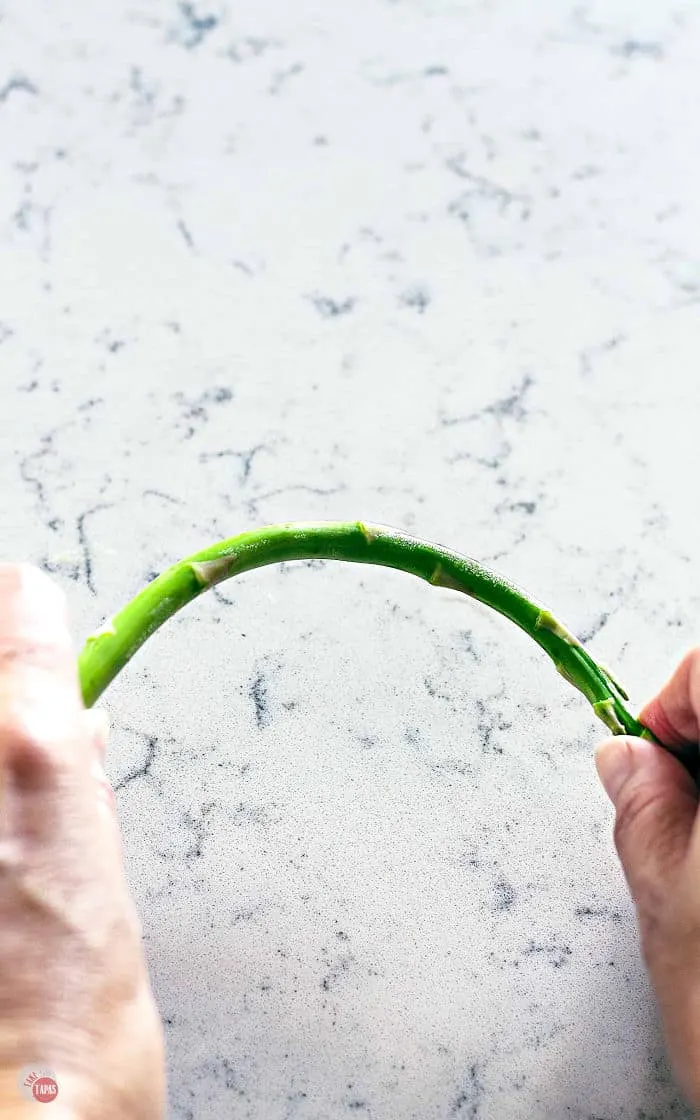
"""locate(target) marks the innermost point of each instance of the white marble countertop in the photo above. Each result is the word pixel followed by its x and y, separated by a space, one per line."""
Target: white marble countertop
pixel 428 263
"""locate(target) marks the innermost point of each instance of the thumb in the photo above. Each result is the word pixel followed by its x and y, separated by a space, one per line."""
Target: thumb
pixel 655 803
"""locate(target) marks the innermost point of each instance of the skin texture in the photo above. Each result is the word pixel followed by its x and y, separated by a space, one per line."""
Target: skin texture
pixel 74 991
pixel 657 835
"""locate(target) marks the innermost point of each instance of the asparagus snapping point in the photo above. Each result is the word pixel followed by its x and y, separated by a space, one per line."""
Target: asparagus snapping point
pixel 107 651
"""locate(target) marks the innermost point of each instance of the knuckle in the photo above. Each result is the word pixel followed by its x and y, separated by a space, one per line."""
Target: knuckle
pixel 124 928
pixel 669 929
pixel 25 751
pixel 635 815
pixel 651 842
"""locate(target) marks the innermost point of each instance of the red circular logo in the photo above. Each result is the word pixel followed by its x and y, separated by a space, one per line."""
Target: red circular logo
pixel 44 1089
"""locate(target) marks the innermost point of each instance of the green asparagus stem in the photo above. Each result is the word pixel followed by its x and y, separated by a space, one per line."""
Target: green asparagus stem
pixel 107 652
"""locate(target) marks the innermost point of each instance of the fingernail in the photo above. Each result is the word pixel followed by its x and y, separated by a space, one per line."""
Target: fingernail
pixel 615 762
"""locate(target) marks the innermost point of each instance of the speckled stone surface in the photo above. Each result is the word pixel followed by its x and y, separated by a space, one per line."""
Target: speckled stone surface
pixel 428 263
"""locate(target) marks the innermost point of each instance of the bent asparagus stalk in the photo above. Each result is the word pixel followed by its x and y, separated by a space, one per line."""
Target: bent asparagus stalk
pixel 107 651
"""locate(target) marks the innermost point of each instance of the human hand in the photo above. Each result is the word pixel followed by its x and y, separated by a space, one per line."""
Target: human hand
pixel 657 835
pixel 74 992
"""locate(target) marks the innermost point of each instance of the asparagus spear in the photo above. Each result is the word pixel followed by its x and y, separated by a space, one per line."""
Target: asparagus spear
pixel 107 651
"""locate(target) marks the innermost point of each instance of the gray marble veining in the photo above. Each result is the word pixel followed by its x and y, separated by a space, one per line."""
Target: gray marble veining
pixel 424 262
